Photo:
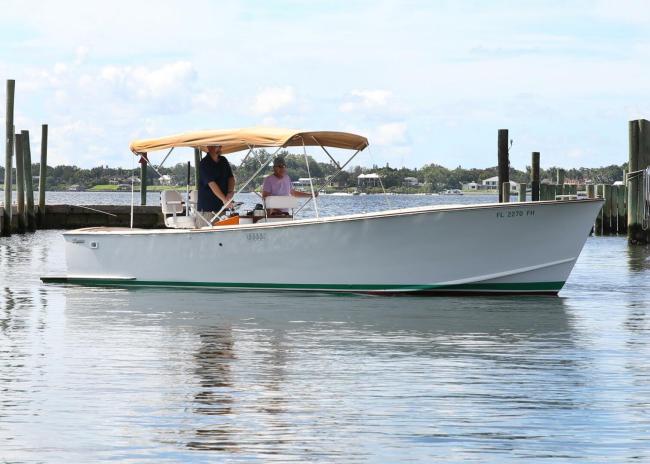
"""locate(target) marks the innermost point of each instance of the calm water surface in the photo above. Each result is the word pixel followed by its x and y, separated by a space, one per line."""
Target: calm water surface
pixel 206 376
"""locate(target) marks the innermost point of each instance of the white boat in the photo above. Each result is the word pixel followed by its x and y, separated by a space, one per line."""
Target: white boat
pixel 431 250
pixel 452 192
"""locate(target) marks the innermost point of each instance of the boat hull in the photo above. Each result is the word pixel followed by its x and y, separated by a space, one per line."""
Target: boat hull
pixel 480 249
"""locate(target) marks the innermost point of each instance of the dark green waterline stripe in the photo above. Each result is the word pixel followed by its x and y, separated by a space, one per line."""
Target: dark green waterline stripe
pixel 518 286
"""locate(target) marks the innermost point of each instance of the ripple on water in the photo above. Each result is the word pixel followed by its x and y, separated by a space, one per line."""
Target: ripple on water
pixel 90 374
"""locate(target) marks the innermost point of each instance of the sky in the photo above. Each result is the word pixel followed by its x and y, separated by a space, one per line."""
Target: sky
pixel 425 81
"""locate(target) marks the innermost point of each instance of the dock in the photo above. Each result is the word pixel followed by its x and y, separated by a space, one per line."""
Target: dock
pixel 79 216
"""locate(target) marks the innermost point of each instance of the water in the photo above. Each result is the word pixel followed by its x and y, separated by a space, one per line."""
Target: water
pixel 90 374
pixel 328 205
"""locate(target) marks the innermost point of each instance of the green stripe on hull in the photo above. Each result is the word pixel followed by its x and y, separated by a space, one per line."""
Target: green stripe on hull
pixel 518 287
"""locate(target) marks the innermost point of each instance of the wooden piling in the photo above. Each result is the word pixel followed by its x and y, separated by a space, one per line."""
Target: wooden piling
pixel 639 159
pixel 42 174
pixel 29 182
pixel 591 191
pixel 20 184
pixel 614 210
pixel 607 209
pixel 143 179
pixel 560 176
pixel 9 151
pixel 505 192
pixel 197 163
pixel 621 209
pixel 534 184
pixel 542 192
pixel 522 192
pixel 504 164
pixel 598 227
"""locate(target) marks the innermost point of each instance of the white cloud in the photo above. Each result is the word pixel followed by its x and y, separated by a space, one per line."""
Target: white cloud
pixel 145 83
pixel 365 99
pixel 208 100
pixel 393 133
pixel 273 98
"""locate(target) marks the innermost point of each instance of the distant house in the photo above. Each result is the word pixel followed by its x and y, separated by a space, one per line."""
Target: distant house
pixel 368 180
pixel 411 181
pixel 165 179
pixel 493 184
pixel 114 182
pixel 471 186
pixel 304 182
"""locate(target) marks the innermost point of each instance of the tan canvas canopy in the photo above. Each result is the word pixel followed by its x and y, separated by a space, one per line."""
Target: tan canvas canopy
pixel 235 140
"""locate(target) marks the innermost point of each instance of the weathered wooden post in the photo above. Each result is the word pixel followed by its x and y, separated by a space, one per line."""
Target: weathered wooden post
pixel 20 184
pixel 607 210
pixel 505 192
pixel 621 209
pixel 42 175
pixel 534 185
pixel 639 159
pixel 504 164
pixel 29 182
pixel 598 228
pixel 522 192
pixel 197 162
pixel 143 179
pixel 614 210
pixel 560 176
pixel 591 191
pixel 9 152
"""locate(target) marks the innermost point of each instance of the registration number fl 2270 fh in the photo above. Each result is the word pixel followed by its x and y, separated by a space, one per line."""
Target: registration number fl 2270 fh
pixel 515 214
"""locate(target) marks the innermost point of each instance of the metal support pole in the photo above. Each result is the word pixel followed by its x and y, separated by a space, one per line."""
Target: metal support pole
pixel 42 178
pixel 29 184
pixel 9 151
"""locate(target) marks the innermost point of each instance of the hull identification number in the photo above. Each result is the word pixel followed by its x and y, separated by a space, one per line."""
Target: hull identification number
pixel 515 214
pixel 256 236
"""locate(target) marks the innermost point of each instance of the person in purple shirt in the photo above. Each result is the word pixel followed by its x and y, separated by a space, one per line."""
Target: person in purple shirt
pixel 279 183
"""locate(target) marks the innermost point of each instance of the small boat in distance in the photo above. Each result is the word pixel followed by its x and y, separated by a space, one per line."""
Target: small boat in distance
pixel 452 192
pixel 458 249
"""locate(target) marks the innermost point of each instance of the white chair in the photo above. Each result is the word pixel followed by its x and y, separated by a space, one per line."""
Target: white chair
pixel 281 202
pixel 171 202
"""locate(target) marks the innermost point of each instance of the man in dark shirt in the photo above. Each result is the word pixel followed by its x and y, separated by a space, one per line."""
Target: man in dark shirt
pixel 217 183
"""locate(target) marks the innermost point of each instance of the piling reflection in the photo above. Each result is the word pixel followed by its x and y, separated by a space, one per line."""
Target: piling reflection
pixel 638 258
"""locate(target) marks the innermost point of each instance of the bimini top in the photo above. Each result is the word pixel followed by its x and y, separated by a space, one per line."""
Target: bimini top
pixel 235 140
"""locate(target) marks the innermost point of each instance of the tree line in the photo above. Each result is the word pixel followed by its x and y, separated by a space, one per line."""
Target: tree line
pixel 432 177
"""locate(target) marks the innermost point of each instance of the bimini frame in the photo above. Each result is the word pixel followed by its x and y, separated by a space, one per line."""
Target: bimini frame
pixel 232 141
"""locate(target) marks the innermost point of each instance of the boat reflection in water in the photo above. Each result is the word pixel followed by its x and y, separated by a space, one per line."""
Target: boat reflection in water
pixel 292 374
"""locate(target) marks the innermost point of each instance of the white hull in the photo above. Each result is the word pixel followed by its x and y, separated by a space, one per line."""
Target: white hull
pixel 502 248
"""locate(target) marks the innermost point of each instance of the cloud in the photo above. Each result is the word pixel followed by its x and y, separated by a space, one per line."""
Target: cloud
pixel 273 98
pixel 365 99
pixel 393 133
pixel 145 83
